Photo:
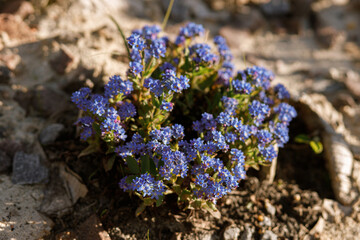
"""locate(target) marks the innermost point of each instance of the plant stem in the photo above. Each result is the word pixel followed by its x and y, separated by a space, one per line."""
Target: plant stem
pixel 167 15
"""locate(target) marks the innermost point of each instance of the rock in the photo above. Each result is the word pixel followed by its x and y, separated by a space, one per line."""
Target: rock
pixel 266 222
pixel 270 208
pixel 268 235
pixel 5 161
pixel 48 101
pixel 11 60
pixel 19 217
pixel 236 38
pixel 61 61
pixel 92 229
pixel 329 36
pixel 231 233
pixel 63 191
pixel 5 74
pixel 352 82
pixel 16 28
pixel 50 133
pixel 248 233
pixel 21 8
pixel 249 19
pixel 27 169
pixel 319 227
pixel 276 8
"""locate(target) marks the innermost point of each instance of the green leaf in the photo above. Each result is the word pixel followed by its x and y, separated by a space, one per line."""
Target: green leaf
pixel 121 33
pixel 148 201
pixel 145 163
pixel 316 146
pixel 140 209
pixel 152 167
pixel 185 195
pixel 211 208
pixel 109 163
pixel 302 138
pixel 159 201
pixel 92 148
pixel 133 165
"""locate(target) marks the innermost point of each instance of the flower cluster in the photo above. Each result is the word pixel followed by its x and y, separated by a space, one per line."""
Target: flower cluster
pixel 183 121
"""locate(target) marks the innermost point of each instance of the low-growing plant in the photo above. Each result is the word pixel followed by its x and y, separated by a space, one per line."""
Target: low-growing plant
pixel 182 120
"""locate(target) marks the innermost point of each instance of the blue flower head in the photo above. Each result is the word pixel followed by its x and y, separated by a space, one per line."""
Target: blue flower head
pixel 126 109
pixel 117 86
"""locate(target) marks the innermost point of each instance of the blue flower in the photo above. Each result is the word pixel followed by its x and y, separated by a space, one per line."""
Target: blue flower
pixel 158 48
pixel 259 111
pixel 117 86
pixel 173 83
pixel 282 92
pixel 166 106
pixel 98 104
pixel 80 98
pixel 154 85
pixel 264 137
pixel 202 53
pixel 178 131
pixel 242 86
pixel 151 32
pixel 86 125
pixel 111 123
pixel 237 156
pixel 136 67
pixel 286 112
pixel 126 109
pixel 136 42
pixel 269 153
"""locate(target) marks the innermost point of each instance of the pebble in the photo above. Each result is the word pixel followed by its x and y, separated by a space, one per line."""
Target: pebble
pixel 27 169
pixel 62 60
pixel 231 232
pixel 248 233
pixel 270 208
pixel 269 235
pixel 266 222
pixel 50 133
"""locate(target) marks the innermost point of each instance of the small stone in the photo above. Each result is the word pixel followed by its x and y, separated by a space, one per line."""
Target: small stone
pixel 266 222
pixel 248 233
pixel 5 74
pixel 5 161
pixel 231 233
pixel 48 101
pixel 49 134
pixel 270 209
pixel 92 229
pixel 63 191
pixel 62 60
pixel 329 36
pixel 269 235
pixel 27 169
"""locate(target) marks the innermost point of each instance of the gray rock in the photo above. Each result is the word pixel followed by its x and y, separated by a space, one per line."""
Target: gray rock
pixel 5 161
pixel 63 191
pixel 231 233
pixel 27 169
pixel 5 74
pixel 270 208
pixel 266 222
pixel 50 133
pixel 248 233
pixel 61 61
pixel 269 235
pixel 276 8
pixel 48 101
